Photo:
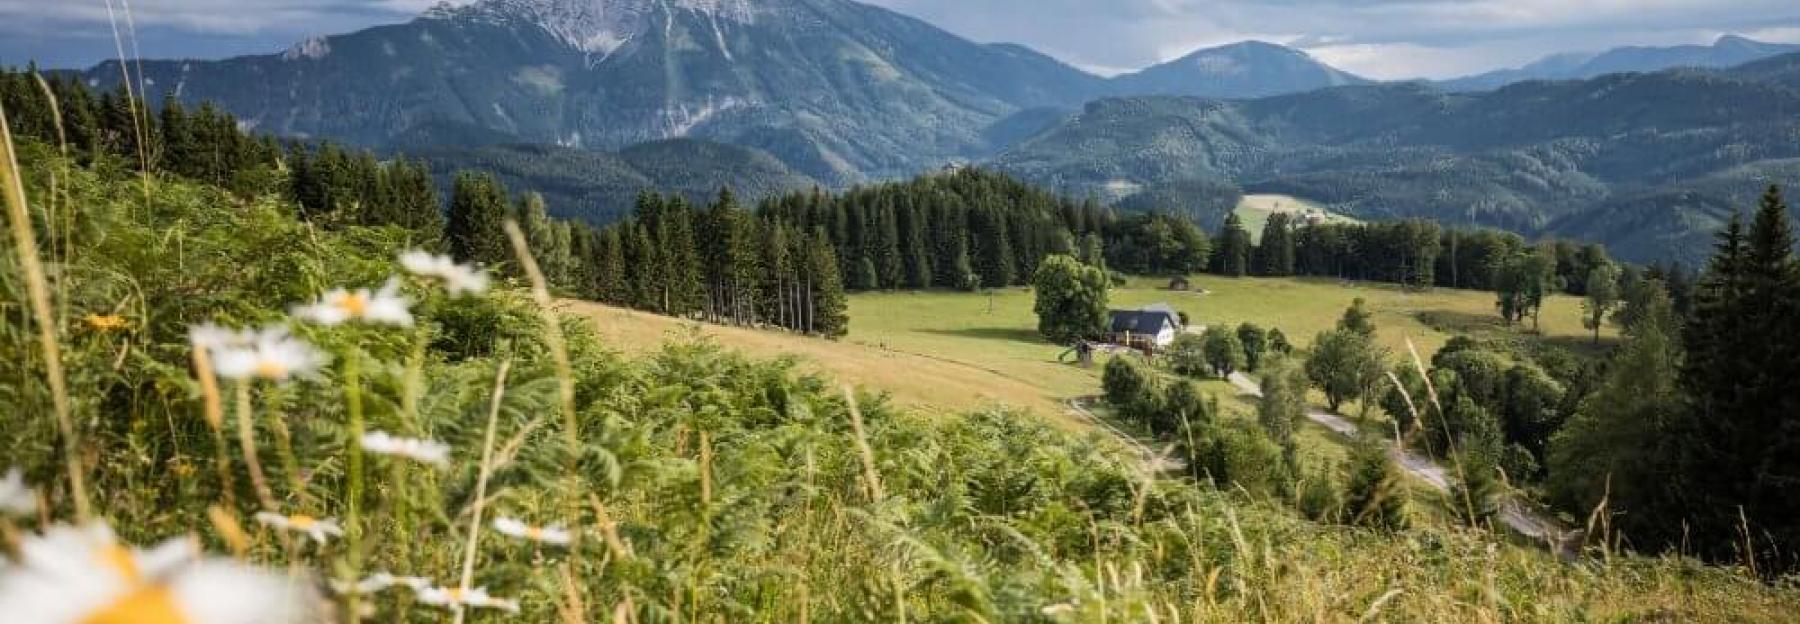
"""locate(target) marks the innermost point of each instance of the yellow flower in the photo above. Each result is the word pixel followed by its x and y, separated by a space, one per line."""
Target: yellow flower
pixel 106 322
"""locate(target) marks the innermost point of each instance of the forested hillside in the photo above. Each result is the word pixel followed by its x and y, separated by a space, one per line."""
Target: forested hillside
pixel 1561 158
pixel 600 187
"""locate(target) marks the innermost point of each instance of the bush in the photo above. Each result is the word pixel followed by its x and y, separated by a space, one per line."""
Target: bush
pixel 1187 355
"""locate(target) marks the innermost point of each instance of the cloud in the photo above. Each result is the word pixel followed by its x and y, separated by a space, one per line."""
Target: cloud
pixel 1378 38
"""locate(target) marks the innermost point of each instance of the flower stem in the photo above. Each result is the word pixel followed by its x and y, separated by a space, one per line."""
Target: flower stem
pixel 353 497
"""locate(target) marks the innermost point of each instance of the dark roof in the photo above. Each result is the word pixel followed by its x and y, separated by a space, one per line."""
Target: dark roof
pixel 1140 321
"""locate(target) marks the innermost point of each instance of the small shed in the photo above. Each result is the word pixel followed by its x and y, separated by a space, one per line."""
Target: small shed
pixel 1179 282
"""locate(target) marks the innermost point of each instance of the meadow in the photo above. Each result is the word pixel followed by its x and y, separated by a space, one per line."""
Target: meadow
pixel 1254 210
pixel 956 350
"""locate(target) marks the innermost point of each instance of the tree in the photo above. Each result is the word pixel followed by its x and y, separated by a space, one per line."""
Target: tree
pixel 1358 319
pixel 1275 256
pixel 1224 354
pixel 1373 495
pixel 1255 343
pixel 1282 405
pixel 1602 297
pixel 1521 282
pixel 1617 445
pixel 1231 254
pixel 828 309
pixel 1739 472
pixel 1187 355
pixel 477 214
pixel 1345 365
pixel 1475 490
pixel 1278 342
pixel 1071 299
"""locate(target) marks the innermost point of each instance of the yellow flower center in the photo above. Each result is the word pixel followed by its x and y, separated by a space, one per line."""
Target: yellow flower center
pixel 534 533
pixel 271 369
pixel 456 595
pixel 149 605
pixel 302 523
pixel 353 304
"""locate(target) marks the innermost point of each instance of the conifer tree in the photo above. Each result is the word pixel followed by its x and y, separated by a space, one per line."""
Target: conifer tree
pixel 1231 255
pixel 829 310
pixel 1374 495
pixel 475 226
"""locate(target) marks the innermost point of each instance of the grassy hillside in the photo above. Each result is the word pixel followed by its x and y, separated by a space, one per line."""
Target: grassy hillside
pixel 946 349
pixel 1255 209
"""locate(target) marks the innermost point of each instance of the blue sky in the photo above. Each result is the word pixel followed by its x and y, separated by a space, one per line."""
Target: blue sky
pixel 1389 39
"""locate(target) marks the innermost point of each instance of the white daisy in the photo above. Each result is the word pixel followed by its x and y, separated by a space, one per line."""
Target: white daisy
pixel 453 599
pixel 16 497
pixel 318 529
pixel 383 306
pixel 553 535
pixel 380 581
pixel 459 279
pixel 427 451
pixel 269 354
pixel 84 575
pixel 213 337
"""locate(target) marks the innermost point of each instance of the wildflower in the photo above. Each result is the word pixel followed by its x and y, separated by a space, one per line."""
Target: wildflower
pixel 16 497
pixel 105 322
pixel 427 451
pixel 459 279
pixel 213 337
pixel 82 574
pixel 313 527
pixel 383 306
pixel 454 599
pixel 556 536
pixel 269 354
pixel 380 581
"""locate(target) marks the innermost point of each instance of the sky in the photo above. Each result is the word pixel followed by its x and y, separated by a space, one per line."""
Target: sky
pixel 1384 39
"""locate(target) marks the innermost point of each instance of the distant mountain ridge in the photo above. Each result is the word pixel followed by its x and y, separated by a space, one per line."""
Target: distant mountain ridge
pixel 1246 69
pixel 1530 157
pixel 841 90
pixel 1726 51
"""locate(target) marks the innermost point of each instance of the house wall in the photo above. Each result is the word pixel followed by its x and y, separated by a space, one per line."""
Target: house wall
pixel 1166 336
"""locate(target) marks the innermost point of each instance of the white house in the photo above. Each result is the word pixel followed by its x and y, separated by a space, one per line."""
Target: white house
pixel 1157 323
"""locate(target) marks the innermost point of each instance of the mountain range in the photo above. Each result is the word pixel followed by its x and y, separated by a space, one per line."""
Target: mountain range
pixel 591 100
pixel 1726 51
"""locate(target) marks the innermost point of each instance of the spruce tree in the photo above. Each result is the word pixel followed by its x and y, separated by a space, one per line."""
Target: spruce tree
pixel 1374 495
pixel 829 309
pixel 1231 254
pixel 477 213
pixel 1737 447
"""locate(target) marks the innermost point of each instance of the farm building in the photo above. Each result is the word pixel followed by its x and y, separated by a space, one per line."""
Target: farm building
pixel 1156 324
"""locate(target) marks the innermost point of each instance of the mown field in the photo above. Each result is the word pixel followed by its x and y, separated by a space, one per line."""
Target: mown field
pixel 956 350
pixel 1254 210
